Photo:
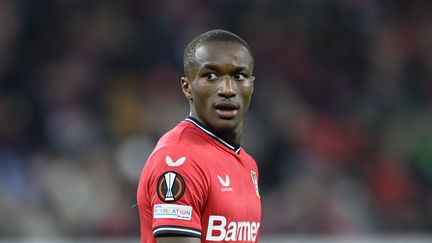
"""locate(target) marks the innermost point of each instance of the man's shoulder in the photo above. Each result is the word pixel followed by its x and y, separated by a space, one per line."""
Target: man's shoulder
pixel 182 148
pixel 180 141
pixel 182 134
pixel 248 158
pixel 246 154
pixel 175 157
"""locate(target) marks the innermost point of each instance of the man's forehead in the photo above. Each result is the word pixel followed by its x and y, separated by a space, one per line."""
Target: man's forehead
pixel 215 52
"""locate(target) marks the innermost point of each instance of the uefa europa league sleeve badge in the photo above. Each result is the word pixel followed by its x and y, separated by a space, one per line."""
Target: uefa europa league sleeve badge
pixel 170 187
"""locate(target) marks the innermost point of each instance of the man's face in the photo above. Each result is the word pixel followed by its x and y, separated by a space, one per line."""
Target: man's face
pixel 220 85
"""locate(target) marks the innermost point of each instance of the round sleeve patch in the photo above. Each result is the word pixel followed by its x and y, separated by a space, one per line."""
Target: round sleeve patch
pixel 170 187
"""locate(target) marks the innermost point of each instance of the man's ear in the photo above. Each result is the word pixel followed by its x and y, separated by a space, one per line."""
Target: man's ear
pixel 186 88
pixel 253 83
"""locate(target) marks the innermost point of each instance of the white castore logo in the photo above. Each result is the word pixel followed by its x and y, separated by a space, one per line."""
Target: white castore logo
pixel 225 184
pixel 178 162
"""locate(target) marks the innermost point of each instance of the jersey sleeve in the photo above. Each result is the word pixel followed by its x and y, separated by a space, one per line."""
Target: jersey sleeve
pixel 177 190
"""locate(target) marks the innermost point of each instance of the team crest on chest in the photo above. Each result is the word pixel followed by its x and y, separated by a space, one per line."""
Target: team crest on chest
pixel 170 187
pixel 255 182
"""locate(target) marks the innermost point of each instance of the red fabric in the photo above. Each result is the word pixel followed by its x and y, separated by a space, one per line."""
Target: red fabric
pixel 206 159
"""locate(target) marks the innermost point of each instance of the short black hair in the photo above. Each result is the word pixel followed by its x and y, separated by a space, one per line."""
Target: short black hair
pixel 208 37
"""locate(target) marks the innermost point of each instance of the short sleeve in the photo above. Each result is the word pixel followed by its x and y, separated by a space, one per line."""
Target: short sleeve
pixel 177 190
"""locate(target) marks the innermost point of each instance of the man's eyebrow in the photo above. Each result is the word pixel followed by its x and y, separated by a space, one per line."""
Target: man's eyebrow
pixel 210 66
pixel 216 67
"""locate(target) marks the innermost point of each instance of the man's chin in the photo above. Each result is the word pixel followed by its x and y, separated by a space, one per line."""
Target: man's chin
pixel 226 124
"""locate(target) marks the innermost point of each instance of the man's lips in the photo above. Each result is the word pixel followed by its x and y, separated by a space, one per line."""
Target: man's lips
pixel 226 109
pixel 224 105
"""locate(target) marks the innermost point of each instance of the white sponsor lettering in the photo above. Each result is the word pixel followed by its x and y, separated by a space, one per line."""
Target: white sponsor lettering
pixel 172 211
pixel 235 231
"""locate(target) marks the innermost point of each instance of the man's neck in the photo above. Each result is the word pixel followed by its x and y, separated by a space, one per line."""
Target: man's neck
pixel 232 136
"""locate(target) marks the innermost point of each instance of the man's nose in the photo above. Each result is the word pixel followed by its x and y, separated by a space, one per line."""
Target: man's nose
pixel 227 87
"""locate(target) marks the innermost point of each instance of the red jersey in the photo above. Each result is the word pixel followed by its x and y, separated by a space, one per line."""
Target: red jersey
pixel 196 184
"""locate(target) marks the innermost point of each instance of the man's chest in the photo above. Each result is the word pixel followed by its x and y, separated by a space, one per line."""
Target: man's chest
pixel 233 194
pixel 233 208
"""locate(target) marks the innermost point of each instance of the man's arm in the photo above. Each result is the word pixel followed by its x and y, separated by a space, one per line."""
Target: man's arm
pixel 179 221
pixel 178 240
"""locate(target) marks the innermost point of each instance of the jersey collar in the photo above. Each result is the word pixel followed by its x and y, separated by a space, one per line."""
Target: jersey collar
pixel 213 134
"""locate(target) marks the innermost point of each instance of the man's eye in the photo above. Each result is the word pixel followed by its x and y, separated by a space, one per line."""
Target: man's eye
pixel 239 77
pixel 211 76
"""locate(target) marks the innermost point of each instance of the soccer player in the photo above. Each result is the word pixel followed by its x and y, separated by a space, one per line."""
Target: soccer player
pixel 199 185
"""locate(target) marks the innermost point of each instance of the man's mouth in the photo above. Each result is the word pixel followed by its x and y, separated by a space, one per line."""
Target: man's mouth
pixel 226 110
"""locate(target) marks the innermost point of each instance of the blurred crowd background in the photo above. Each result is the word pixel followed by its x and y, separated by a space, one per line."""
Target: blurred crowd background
pixel 340 122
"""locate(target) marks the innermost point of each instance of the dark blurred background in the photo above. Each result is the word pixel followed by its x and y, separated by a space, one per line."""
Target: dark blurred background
pixel 340 122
